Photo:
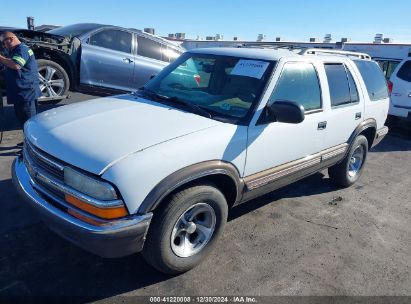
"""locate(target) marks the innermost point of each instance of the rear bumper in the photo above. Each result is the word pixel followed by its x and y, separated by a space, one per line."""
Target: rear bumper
pixel 379 135
pixel 114 239
pixel 400 111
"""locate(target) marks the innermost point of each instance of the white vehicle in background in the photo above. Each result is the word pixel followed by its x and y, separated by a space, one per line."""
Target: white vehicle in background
pixel 400 87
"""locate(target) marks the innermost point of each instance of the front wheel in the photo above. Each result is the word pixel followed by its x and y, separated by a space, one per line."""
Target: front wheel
pixel 184 231
pixel 54 81
pixel 349 170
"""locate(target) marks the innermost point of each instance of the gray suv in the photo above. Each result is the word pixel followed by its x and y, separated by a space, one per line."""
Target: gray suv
pixel 98 57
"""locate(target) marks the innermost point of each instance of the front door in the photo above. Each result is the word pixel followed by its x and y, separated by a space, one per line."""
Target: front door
pixel 273 144
pixel 107 60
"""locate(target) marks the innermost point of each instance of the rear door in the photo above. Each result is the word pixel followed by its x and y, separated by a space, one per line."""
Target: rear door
pixel 149 60
pixel 346 105
pixel 401 91
pixel 107 59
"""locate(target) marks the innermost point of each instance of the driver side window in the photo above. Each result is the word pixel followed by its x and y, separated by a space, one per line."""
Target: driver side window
pixel 298 82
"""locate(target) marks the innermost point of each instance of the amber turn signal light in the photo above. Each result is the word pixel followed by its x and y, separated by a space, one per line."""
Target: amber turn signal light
pixel 105 213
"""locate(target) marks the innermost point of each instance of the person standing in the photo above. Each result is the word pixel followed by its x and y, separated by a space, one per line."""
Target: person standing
pixel 22 81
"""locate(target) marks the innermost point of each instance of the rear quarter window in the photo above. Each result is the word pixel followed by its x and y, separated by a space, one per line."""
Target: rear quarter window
pixel 373 78
pixel 404 72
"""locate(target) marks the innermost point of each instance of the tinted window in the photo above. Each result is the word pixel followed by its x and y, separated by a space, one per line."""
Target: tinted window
pixel 299 82
pixel 227 87
pixel 149 48
pixel 338 84
pixel 373 78
pixel 113 40
pixel 405 71
pixel 353 87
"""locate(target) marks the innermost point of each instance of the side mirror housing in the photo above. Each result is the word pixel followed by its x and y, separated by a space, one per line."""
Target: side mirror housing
pixel 286 111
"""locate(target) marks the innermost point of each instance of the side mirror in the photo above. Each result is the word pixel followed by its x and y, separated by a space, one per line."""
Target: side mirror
pixel 286 111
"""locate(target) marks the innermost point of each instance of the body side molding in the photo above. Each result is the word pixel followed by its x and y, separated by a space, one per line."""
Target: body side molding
pixel 307 164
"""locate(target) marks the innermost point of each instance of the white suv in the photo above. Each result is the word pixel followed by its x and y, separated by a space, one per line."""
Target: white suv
pixel 156 171
pixel 400 87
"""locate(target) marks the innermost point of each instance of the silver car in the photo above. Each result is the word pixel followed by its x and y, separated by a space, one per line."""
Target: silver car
pixel 94 56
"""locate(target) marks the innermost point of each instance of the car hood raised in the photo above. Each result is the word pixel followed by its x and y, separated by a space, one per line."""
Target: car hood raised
pixel 94 135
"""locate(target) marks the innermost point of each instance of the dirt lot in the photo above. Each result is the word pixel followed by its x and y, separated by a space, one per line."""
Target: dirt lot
pixel 309 238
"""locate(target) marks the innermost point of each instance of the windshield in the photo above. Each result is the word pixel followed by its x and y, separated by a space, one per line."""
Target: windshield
pixel 74 30
pixel 223 86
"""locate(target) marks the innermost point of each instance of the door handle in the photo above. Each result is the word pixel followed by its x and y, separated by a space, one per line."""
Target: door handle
pixel 322 125
pixel 357 115
pixel 127 60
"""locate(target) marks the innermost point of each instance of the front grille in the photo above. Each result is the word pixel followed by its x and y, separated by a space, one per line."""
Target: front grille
pixel 39 163
pixel 44 161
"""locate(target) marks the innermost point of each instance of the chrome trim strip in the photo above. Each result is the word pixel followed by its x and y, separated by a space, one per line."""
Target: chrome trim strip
pixel 265 177
pixel 47 160
pixel 251 185
pixel 55 184
pixel 336 152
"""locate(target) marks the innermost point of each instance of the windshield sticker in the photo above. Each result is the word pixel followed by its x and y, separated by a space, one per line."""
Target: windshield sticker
pixel 250 68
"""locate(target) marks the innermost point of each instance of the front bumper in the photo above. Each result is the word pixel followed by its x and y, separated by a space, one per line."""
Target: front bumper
pixel 115 239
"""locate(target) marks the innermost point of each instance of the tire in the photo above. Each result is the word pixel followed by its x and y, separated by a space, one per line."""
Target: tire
pixel 54 81
pixel 350 169
pixel 207 208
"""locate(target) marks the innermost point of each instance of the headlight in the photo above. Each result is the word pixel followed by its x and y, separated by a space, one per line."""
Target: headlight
pixel 101 200
pixel 88 185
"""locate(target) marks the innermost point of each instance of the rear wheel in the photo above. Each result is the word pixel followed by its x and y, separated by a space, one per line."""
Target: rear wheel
pixel 54 81
pixel 349 170
pixel 184 231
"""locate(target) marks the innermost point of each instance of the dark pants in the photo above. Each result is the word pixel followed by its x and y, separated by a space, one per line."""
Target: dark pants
pixel 25 110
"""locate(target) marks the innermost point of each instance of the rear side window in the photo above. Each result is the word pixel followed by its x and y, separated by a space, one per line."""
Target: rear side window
pixel 373 78
pixel 299 82
pixel 341 84
pixel 149 48
pixel 113 40
pixel 404 72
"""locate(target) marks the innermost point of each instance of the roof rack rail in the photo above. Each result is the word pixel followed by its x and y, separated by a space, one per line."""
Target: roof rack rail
pixel 335 52
pixel 274 46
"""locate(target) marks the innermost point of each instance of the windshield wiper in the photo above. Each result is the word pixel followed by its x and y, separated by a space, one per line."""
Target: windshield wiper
pixel 198 109
pixel 142 91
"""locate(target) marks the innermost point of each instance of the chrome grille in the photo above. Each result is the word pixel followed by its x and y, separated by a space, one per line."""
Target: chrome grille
pixel 44 161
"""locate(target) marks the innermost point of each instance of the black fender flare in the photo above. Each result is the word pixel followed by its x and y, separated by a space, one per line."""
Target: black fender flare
pixel 367 123
pixel 187 175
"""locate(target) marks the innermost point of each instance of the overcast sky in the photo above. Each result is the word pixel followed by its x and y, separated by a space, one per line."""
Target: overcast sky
pixel 292 19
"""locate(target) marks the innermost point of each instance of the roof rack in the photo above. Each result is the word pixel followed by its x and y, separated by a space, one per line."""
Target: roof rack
pixel 335 52
pixel 287 46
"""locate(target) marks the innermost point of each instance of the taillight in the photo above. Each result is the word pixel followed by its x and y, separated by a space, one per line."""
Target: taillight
pixel 390 86
pixel 197 78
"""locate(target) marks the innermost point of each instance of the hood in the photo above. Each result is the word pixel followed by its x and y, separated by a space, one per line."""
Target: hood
pixel 38 37
pixel 94 135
